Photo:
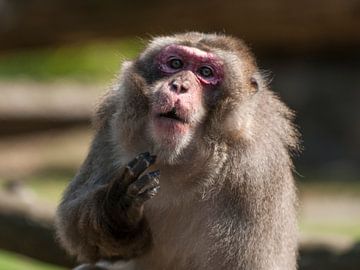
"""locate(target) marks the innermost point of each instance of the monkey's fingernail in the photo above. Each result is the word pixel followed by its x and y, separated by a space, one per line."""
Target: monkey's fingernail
pixel 155 173
pixel 145 154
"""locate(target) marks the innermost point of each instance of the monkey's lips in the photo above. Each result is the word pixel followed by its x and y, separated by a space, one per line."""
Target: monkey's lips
pixel 171 122
pixel 172 115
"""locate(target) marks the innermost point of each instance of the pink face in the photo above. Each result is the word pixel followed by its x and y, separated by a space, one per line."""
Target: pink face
pixel 178 102
pixel 207 67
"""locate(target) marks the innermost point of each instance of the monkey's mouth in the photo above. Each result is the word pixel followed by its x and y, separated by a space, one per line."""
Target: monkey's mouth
pixel 170 125
pixel 173 115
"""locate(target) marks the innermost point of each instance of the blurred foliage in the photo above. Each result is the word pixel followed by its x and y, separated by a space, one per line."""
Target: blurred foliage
pixel 11 261
pixel 97 61
pixel 334 187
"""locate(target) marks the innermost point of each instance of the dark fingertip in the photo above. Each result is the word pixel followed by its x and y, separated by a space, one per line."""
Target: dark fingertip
pixel 143 155
pixel 155 173
pixel 138 157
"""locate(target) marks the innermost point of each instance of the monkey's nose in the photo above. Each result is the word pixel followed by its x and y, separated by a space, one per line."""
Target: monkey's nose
pixel 180 87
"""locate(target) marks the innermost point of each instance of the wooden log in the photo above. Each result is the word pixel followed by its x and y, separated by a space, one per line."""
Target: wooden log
pixel 27 227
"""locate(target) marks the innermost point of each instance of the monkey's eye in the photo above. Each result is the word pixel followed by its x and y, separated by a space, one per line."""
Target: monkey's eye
pixel 175 63
pixel 206 72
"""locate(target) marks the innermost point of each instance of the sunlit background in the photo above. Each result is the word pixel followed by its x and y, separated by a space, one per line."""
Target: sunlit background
pixel 58 57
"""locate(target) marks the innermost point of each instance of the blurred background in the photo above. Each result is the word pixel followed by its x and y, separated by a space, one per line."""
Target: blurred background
pixel 57 57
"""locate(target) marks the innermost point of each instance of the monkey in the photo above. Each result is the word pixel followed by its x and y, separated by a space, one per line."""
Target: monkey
pixel 190 166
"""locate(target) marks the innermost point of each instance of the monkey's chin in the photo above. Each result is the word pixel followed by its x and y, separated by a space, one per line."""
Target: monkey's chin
pixel 170 138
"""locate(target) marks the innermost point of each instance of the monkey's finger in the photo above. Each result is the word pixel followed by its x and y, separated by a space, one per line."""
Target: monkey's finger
pixel 147 194
pixel 125 174
pixel 135 168
pixel 142 165
pixel 119 184
pixel 146 182
pixel 137 158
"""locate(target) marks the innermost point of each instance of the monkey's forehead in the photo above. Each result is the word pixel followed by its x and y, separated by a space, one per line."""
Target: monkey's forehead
pixel 190 45
pixel 189 52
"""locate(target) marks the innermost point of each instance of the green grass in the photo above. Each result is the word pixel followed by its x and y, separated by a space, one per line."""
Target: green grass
pixel 12 261
pixel 336 224
pixel 49 188
pixel 349 230
pixel 97 61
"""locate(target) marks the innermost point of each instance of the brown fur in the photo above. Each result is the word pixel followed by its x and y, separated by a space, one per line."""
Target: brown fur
pixel 227 201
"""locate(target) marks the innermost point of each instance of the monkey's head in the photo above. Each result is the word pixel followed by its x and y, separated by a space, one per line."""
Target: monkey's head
pixel 184 90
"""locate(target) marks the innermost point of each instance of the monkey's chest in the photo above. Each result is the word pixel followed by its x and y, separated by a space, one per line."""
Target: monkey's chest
pixel 180 235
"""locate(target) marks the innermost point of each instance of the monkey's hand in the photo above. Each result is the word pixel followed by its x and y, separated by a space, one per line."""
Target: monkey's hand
pixel 108 222
pixel 126 194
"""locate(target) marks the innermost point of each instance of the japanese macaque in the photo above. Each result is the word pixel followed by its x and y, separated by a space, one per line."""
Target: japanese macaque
pixel 192 115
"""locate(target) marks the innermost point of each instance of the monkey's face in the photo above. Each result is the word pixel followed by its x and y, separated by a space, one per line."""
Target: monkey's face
pixel 193 85
pixel 189 80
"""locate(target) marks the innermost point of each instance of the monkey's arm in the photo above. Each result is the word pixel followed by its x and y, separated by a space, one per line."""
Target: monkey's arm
pixel 101 215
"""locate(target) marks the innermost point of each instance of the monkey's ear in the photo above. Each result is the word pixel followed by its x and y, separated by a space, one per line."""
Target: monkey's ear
pixel 130 78
pixel 125 67
pixel 257 82
pixel 125 72
pixel 126 81
pixel 254 84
